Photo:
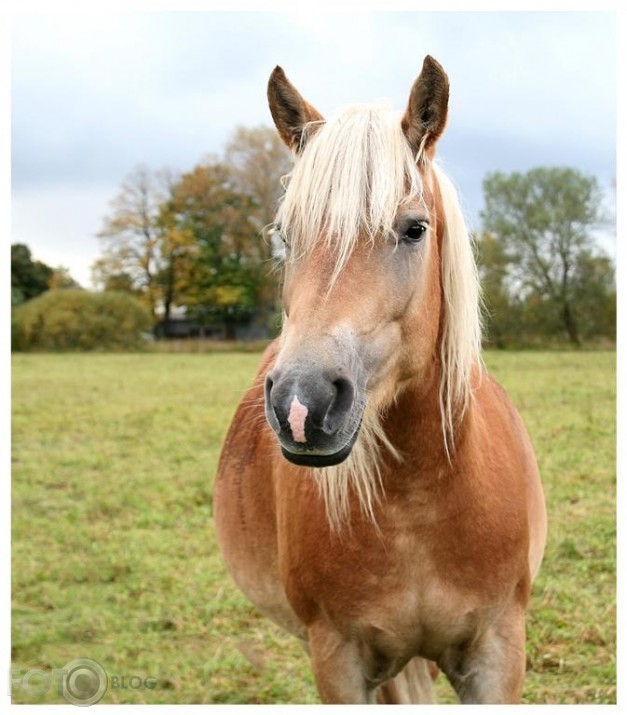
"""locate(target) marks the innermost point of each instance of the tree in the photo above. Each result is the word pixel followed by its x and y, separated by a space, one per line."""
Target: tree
pixel 499 309
pixel 217 271
pixel 545 219
pixel 258 160
pixel 29 278
pixel 119 282
pixel 595 295
pixel 179 251
pixel 61 278
pixel 131 235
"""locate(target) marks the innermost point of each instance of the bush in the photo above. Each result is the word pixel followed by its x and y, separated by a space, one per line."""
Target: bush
pixel 79 320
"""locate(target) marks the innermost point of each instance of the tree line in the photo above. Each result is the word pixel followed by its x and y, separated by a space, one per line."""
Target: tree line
pixel 196 240
pixel 544 275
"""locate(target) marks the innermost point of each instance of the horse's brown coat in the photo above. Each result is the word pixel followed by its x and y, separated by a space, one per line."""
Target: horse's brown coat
pixel 445 574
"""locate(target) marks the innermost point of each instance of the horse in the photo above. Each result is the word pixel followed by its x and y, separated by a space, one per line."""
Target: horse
pixel 377 494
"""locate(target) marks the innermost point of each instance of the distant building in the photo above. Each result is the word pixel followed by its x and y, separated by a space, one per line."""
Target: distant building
pixel 180 325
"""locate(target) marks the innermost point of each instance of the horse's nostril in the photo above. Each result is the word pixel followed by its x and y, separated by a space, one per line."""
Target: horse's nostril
pixel 270 411
pixel 344 393
pixel 340 406
pixel 268 390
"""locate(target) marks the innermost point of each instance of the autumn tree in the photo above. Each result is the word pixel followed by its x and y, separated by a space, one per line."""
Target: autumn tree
pixel 62 279
pixel 198 240
pixel 258 161
pixel 545 220
pixel 208 222
pixel 131 235
pixel 119 283
pixel 179 251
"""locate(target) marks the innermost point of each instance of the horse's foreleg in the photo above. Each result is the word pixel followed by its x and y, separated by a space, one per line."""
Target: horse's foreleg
pixel 490 669
pixel 337 667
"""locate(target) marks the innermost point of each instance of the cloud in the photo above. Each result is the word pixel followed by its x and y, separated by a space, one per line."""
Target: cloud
pixel 94 95
pixel 98 95
pixel 60 223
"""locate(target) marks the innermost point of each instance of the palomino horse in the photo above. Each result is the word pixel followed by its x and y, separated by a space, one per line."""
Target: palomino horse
pixel 388 512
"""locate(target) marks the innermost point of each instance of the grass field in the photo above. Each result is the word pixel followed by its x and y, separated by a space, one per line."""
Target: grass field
pixel 114 557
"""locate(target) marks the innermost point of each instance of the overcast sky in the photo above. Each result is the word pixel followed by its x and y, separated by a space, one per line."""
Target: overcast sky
pixel 93 96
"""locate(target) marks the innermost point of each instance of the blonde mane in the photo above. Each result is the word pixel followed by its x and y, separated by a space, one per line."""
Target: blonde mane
pixel 355 171
pixel 460 345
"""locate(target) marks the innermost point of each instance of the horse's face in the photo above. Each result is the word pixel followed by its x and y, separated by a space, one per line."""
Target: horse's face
pixel 351 339
pixel 348 346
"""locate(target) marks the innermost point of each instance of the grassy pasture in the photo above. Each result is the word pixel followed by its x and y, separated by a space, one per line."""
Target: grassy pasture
pixel 114 556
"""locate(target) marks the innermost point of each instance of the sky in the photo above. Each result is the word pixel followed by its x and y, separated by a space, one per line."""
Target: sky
pixel 93 96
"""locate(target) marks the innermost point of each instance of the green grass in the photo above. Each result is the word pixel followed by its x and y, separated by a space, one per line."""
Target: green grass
pixel 115 559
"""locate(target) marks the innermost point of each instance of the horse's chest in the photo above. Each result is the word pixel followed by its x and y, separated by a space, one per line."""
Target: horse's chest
pixel 414 609
pixel 395 594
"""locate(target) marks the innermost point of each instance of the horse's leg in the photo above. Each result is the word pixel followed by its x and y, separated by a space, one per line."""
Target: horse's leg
pixel 337 667
pixel 414 684
pixel 490 669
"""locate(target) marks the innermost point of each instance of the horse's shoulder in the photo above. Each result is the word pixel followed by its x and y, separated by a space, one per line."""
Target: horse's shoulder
pixel 502 427
pixel 248 426
pixel 494 396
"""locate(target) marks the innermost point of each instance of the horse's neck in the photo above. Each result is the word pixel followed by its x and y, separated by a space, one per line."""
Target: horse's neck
pixel 414 426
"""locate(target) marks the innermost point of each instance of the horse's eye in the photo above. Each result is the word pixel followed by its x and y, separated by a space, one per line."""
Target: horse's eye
pixel 277 231
pixel 414 233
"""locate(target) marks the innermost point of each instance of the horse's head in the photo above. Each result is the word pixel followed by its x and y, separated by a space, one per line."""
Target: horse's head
pixel 362 222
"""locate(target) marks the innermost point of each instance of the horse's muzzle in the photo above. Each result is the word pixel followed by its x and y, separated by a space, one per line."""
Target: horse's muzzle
pixel 315 414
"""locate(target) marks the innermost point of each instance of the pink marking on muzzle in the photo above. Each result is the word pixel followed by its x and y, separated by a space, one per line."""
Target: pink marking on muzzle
pixel 297 417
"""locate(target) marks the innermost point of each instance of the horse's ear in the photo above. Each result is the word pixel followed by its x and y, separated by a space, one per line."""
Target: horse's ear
pixel 425 116
pixel 289 110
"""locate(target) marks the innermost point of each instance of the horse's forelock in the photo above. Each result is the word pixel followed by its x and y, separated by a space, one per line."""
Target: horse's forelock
pixel 355 171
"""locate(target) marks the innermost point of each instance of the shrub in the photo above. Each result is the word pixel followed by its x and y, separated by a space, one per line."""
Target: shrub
pixel 80 320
